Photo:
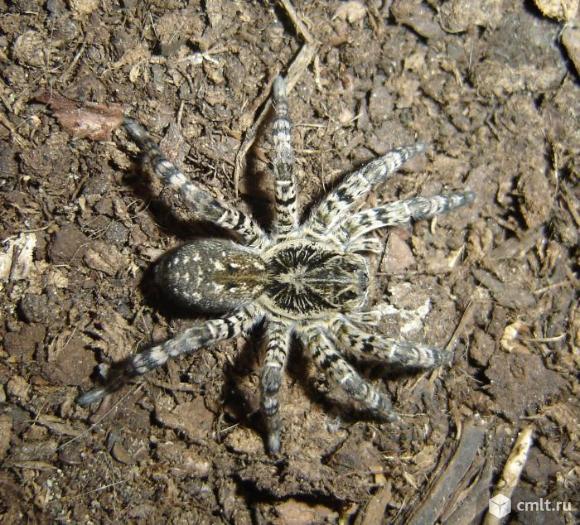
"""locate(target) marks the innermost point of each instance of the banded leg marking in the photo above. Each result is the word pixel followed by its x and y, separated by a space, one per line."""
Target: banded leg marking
pixel 202 203
pixel 201 334
pixel 387 350
pixel 271 381
pixel 401 212
pixel 283 161
pixel 339 202
pixel 330 362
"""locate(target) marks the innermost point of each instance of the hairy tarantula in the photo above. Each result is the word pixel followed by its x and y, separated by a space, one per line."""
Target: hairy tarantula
pixel 307 279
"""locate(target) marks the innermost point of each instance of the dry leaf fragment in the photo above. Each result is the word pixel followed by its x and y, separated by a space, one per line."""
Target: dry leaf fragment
pixel 16 259
pixel 558 9
pixel 31 49
pixel 571 42
pixel 84 119
pixel 510 339
pixel 352 11
pixel 83 7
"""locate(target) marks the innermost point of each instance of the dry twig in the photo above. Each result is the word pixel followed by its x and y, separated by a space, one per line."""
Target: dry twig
pixel 512 470
pixel 442 491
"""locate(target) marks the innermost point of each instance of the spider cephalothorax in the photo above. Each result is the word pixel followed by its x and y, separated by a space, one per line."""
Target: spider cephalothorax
pixel 306 279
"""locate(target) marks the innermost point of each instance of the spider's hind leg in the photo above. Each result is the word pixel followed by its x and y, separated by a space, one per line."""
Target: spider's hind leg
pixel 333 365
pixel 201 334
pixel 271 381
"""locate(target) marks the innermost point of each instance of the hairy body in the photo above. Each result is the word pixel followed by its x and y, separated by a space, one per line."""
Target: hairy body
pixel 308 279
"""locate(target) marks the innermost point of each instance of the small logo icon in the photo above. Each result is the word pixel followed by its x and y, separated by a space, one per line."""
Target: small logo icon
pixel 500 506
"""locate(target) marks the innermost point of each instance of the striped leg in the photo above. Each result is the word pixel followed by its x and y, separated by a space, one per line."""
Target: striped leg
pixel 400 212
pixel 283 162
pixel 201 334
pixel 202 203
pixel 387 350
pixel 271 381
pixel 335 207
pixel 329 361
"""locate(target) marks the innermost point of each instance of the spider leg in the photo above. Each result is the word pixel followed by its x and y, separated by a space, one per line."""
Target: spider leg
pixel 283 161
pixel 201 334
pixel 387 350
pixel 347 194
pixel 401 212
pixel 204 205
pixel 333 365
pixel 366 244
pixel 271 381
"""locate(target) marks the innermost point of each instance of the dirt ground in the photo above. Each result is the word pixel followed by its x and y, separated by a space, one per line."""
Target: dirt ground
pixel 493 90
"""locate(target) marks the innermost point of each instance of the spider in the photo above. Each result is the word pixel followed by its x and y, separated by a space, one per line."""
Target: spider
pixel 305 279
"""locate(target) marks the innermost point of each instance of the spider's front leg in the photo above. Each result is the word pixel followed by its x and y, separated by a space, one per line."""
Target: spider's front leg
pixel 271 381
pixel 283 161
pixel 333 365
pixel 396 213
pixel 201 202
pixel 335 207
pixel 386 350
pixel 201 334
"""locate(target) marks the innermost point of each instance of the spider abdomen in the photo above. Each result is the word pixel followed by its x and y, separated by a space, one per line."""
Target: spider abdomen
pixel 307 278
pixel 211 275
